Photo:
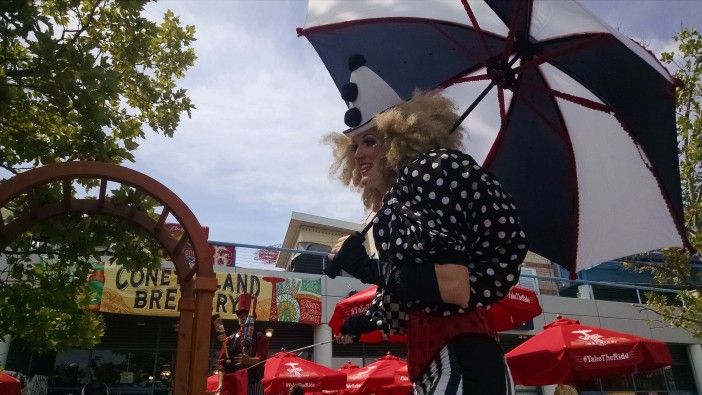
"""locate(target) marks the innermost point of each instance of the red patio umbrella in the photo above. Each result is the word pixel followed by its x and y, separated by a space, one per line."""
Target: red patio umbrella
pixel 375 378
pixel 284 369
pixel 567 352
pixel 212 383
pixel 348 367
pixel 402 384
pixel 9 385
pixel 233 383
pixel 519 306
pixel 358 303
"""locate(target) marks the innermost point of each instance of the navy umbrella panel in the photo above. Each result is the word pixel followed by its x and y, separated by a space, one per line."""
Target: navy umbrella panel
pixel 584 134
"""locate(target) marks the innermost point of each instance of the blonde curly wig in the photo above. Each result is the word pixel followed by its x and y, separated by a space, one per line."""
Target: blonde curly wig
pixel 406 131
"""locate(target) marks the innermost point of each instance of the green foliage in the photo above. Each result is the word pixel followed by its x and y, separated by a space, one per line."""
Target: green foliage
pixel 79 80
pixel 47 309
pixel 686 310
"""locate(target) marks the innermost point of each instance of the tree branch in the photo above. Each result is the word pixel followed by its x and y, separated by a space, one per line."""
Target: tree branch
pixel 679 316
pixel 14 74
pixel 85 26
pixel 10 169
pixel 664 268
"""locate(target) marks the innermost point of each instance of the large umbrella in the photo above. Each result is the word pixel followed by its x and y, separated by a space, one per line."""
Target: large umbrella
pixel 284 369
pixel 567 352
pixel 519 306
pixel 575 119
pixel 375 378
pixel 9 385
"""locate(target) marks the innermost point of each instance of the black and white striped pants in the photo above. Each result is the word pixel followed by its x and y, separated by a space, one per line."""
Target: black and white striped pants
pixel 468 364
pixel 255 388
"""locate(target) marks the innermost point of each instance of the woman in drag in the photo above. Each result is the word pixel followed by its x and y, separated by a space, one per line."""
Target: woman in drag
pixel 447 234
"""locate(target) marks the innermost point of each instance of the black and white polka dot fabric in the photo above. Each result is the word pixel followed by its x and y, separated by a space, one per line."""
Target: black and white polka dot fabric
pixel 444 208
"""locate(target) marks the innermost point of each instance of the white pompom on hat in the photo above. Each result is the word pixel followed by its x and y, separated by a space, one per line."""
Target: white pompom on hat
pixel 367 95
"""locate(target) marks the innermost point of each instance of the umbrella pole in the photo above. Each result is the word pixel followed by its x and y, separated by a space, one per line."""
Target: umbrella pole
pixel 471 107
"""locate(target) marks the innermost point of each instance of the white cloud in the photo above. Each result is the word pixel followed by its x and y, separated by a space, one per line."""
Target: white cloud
pixel 253 143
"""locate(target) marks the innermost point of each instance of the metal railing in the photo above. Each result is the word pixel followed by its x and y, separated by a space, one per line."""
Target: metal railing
pixel 561 284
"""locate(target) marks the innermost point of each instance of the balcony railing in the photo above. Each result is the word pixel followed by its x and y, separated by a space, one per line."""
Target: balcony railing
pixel 307 261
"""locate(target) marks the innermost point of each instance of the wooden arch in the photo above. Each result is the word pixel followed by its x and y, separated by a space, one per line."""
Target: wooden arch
pixel 197 282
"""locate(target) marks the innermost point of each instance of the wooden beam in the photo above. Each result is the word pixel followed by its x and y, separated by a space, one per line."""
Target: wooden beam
pixel 67 194
pixel 178 250
pixel 103 191
pixel 32 196
pixel 161 220
pixel 191 273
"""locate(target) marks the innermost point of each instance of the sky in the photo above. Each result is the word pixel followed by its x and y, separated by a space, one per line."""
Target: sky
pixel 250 154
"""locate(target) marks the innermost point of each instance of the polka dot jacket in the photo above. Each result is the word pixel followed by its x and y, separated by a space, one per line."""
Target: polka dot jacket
pixel 444 208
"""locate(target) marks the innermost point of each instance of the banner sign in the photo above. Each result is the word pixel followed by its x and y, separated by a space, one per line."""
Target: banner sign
pixel 177 232
pixel 156 293
pixel 222 255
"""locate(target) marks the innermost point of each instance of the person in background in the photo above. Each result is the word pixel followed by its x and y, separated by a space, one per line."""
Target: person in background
pixel 242 353
pixel 564 389
pixel 447 234
pixel 95 387
pixel 296 390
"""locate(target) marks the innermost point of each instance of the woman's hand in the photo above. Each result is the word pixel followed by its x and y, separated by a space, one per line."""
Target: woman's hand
pixel 245 360
pixel 350 255
pixel 344 339
pixel 333 266
pixel 454 283
pixel 337 247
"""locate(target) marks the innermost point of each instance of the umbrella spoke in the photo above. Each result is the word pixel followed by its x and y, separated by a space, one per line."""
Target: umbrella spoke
pixel 501 102
pixel 562 133
pixel 479 77
pixel 521 8
pixel 458 43
pixel 500 135
pixel 572 98
pixel 476 26
pixel 591 40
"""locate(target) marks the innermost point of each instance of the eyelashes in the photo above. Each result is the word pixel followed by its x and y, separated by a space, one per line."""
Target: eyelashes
pixel 370 142
pixel 366 142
